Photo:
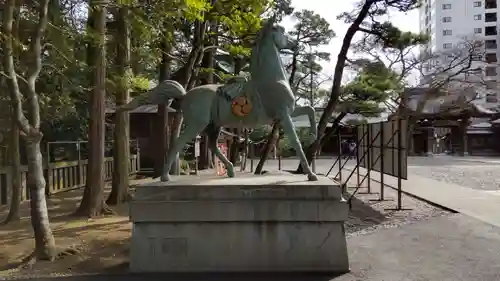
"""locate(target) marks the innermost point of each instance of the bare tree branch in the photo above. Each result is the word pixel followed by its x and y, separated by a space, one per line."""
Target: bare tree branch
pixel 449 72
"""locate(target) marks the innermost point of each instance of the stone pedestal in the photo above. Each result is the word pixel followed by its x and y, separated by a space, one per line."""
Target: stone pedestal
pixel 251 223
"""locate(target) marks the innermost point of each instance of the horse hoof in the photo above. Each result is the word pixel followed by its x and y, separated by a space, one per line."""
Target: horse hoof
pixel 312 177
pixel 165 178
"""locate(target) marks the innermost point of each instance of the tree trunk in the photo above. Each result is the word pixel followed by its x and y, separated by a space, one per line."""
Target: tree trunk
pixel 174 134
pixel 316 146
pixel 162 121
pixel 205 159
pixel 121 150
pixel 293 71
pixel 161 138
pixel 14 145
pixel 235 141
pixel 245 151
pixel 15 168
pixel 93 204
pixel 44 239
pixel 337 78
pixel 234 148
pixel 45 245
pixel 272 139
pixel 190 78
pixel 196 56
pixel 410 140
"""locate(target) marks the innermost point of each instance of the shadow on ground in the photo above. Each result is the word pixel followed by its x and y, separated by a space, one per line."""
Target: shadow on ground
pixel 240 276
pixel 362 215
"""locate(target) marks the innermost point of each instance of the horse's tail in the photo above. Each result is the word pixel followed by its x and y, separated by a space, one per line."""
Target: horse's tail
pixel 161 94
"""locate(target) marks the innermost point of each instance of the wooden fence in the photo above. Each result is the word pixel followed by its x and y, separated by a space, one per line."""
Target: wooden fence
pixel 60 176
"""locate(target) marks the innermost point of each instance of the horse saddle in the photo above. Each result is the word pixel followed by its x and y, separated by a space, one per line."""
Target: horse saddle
pixel 233 88
pixel 234 91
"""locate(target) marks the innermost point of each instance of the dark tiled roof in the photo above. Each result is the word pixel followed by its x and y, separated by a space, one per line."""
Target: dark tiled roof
pixel 440 103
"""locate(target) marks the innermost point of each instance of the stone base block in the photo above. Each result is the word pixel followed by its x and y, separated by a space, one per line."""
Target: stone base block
pixel 228 225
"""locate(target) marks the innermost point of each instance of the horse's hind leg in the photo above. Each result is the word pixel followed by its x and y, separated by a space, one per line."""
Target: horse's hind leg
pixel 213 135
pixel 191 129
pixel 289 130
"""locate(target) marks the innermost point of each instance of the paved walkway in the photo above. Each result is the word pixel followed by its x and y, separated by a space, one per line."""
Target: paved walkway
pixel 482 205
pixel 479 159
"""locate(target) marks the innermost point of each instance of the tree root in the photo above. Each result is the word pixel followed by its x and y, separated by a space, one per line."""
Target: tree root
pixel 30 260
pixel 105 210
pixel 10 219
pixel 26 262
pixel 70 251
pixel 112 200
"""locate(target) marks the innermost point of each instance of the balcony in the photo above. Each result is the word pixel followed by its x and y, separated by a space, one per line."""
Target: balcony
pixel 491 98
pixel 490 4
pixel 490 17
pixel 491 84
pixel 490 44
pixel 490 31
pixel 490 71
pixel 491 58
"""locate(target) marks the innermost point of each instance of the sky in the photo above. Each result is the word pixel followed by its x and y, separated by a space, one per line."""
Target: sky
pixel 328 10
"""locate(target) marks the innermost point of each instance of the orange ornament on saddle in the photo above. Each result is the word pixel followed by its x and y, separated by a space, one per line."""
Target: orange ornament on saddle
pixel 241 106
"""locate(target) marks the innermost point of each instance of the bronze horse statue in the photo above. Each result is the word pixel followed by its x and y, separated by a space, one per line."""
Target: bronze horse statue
pixel 265 98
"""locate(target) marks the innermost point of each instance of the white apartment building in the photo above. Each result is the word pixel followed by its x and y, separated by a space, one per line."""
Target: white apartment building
pixel 453 23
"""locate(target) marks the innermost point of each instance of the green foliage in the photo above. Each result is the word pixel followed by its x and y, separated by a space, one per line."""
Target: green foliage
pixel 372 86
pixel 285 146
pixel 386 36
pixel 379 32
pixel 310 30
pixel 139 83
pixel 260 133
pixel 193 9
pixel 239 22
pixel 64 81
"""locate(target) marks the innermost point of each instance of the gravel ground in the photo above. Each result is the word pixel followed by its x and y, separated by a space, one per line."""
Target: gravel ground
pixel 367 216
pixel 481 177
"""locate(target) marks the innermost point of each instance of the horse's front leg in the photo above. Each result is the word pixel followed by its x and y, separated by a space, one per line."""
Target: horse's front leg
pixel 289 130
pixel 309 111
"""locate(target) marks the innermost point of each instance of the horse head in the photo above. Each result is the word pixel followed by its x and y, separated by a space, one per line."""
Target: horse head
pixel 278 35
pixel 281 40
pixel 266 62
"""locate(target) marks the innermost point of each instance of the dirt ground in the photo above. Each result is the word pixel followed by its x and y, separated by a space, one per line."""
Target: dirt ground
pixel 99 244
pixel 102 244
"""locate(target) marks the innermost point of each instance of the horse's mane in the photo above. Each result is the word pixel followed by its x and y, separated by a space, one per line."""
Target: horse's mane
pixel 266 27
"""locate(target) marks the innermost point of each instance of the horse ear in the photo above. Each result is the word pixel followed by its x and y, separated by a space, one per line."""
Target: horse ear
pixel 273 18
pixel 265 23
pixel 269 22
